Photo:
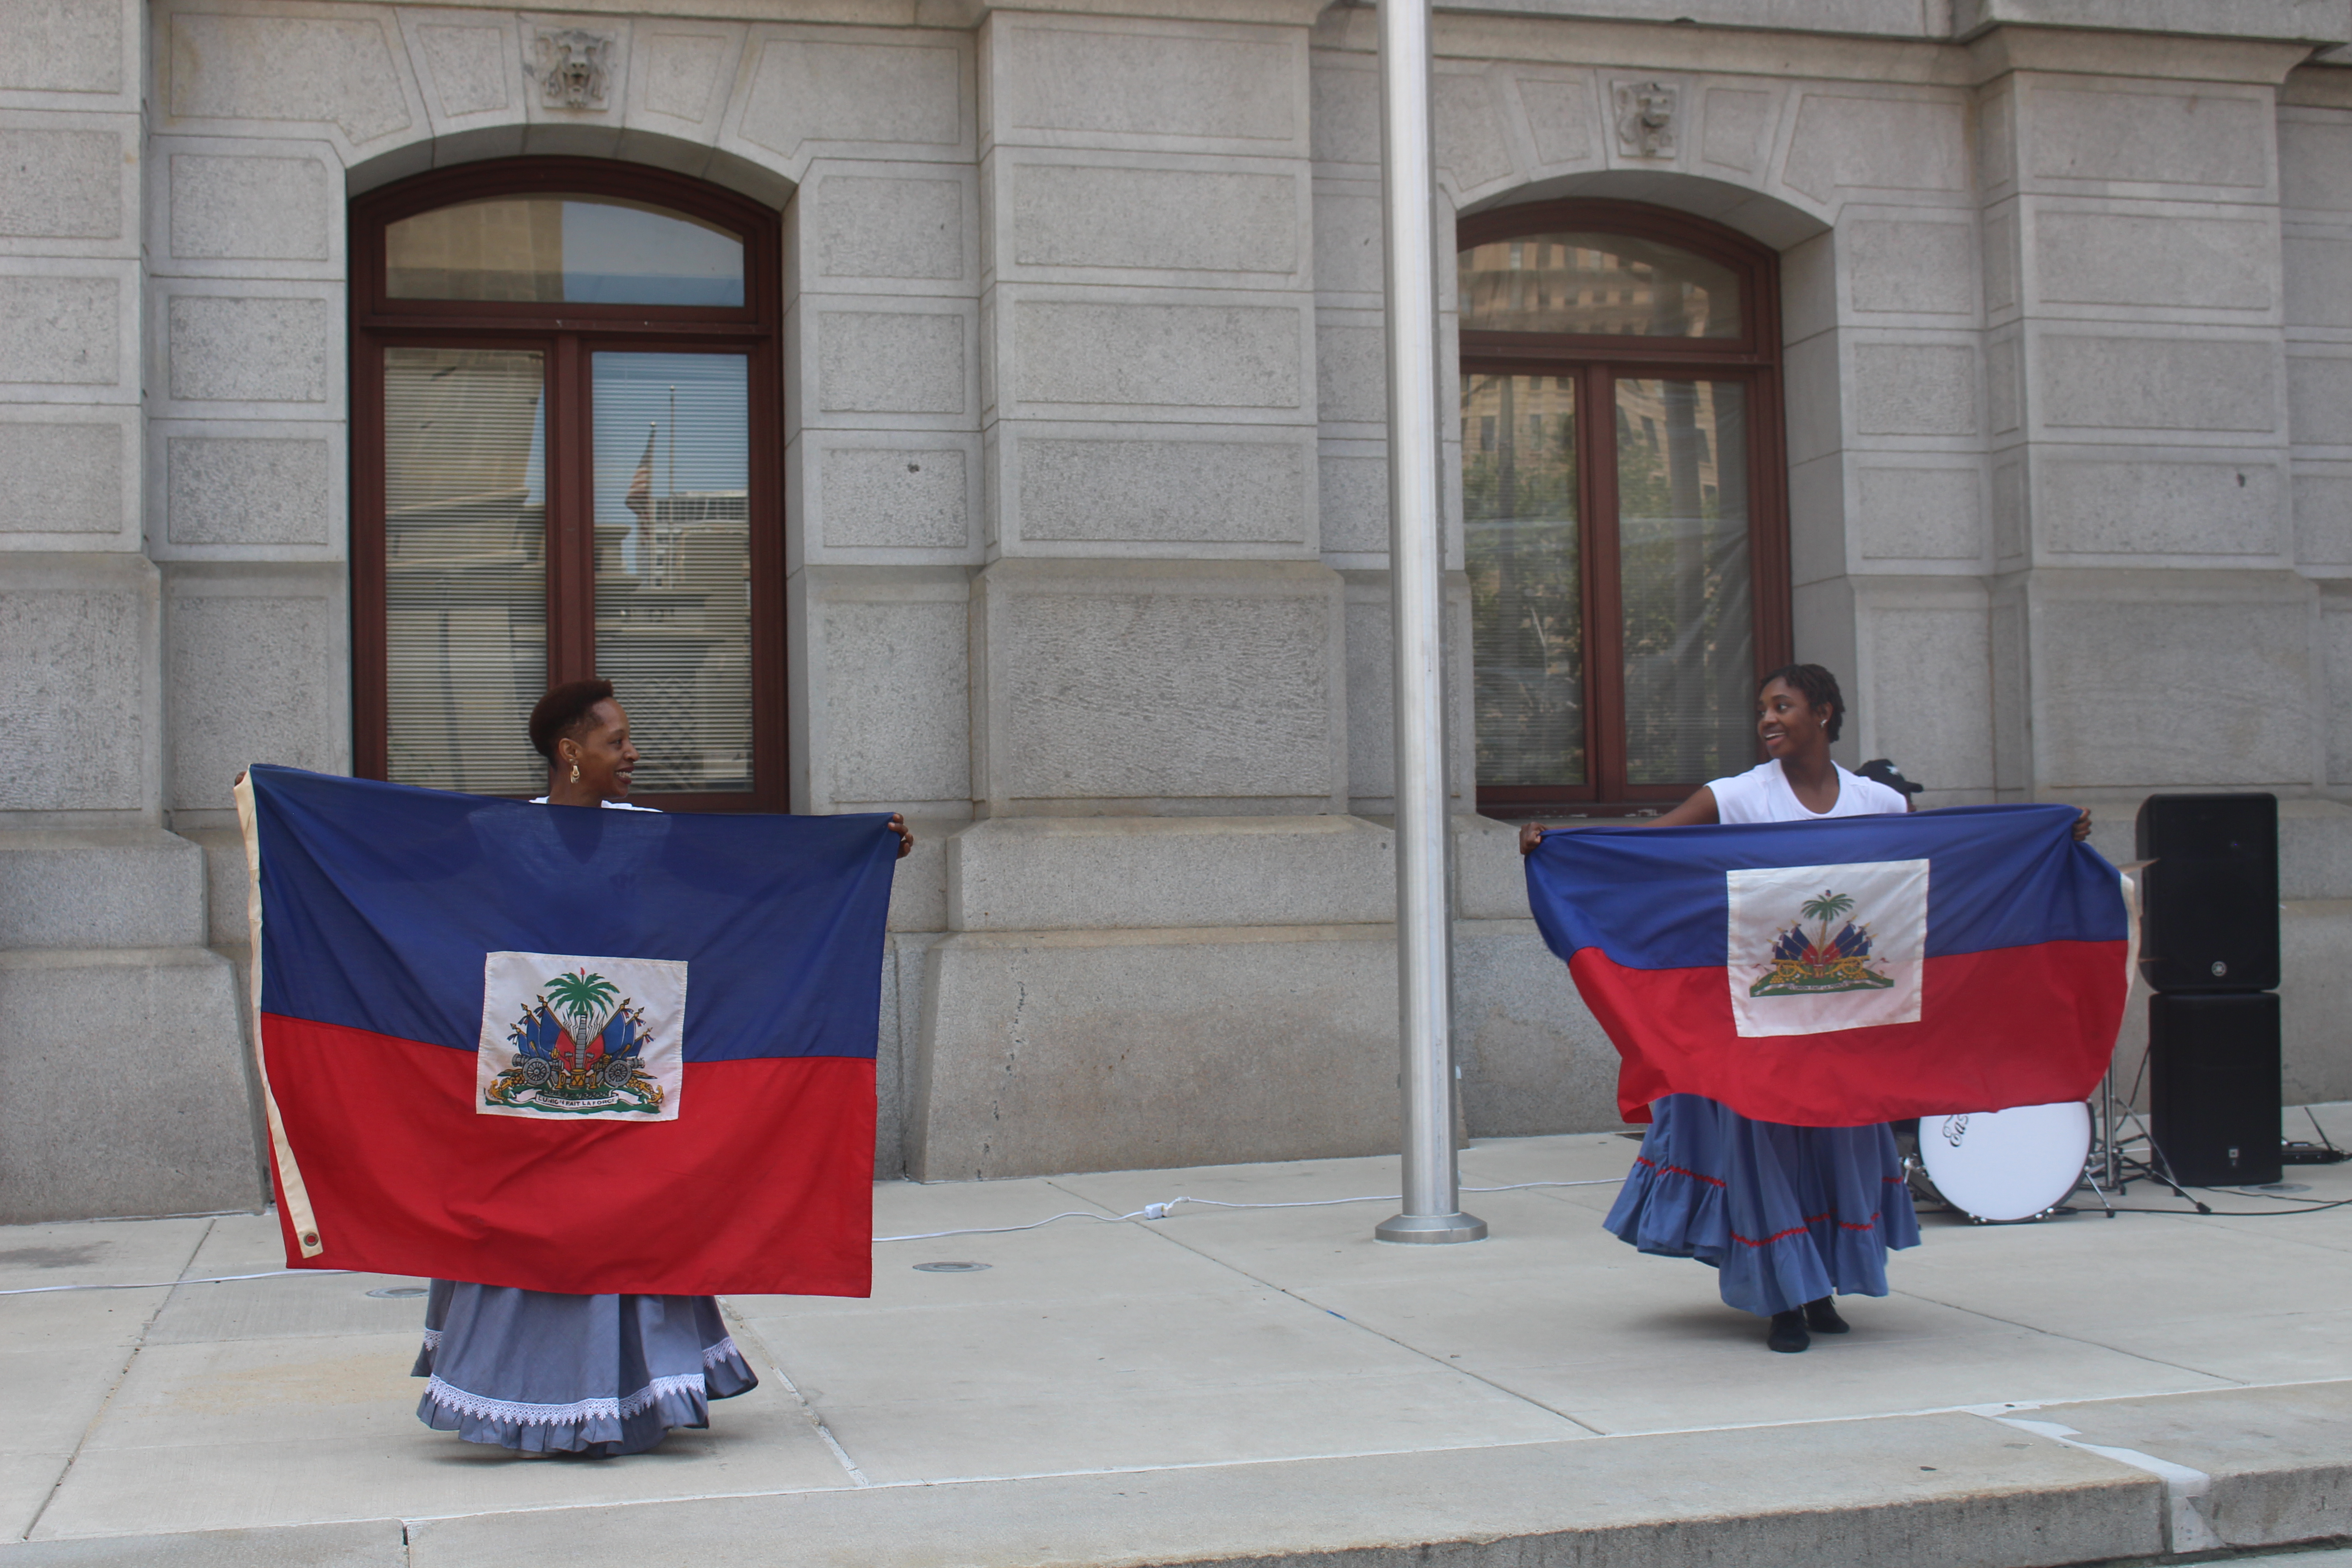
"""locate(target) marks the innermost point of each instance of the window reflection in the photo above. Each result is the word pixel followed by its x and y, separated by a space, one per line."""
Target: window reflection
pixel 1597 285
pixel 674 560
pixel 554 249
pixel 465 527
pixel 1689 620
pixel 1527 607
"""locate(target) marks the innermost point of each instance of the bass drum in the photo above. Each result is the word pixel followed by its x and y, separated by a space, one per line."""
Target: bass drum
pixel 2013 1164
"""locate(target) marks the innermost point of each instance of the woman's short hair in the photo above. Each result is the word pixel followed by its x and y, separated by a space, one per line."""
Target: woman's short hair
pixel 563 712
pixel 1820 687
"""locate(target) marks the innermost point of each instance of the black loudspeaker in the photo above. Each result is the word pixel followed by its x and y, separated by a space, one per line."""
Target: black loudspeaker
pixel 2213 1087
pixel 2208 905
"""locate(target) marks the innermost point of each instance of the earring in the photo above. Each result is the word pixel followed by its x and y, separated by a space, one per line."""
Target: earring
pixel 575 773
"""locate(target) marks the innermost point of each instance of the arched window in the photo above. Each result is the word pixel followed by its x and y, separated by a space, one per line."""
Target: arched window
pixel 566 423
pixel 1623 495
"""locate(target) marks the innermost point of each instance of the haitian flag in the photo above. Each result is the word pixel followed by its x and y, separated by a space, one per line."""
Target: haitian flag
pixel 579 1050
pixel 1846 971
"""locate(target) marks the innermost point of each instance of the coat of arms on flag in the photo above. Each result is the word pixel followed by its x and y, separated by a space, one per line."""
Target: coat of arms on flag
pixel 1826 947
pixel 595 1038
pixel 1802 967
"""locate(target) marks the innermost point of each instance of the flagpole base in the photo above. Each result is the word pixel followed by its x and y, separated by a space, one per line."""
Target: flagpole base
pixel 1431 1229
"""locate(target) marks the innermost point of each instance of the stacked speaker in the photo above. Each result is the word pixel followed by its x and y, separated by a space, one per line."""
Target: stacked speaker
pixel 2209 949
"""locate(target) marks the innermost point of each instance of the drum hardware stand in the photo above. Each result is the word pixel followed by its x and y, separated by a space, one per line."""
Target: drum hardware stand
pixel 2120 1169
pixel 1914 1174
pixel 2108 1152
pixel 1914 1166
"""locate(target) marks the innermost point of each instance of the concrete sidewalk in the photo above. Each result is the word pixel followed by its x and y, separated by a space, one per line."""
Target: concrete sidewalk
pixel 1243 1385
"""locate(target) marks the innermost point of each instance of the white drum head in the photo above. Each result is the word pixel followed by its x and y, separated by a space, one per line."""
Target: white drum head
pixel 2007 1164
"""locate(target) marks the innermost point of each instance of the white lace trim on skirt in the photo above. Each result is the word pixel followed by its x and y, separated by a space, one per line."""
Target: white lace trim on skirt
pixel 450 1397
pixel 724 1350
pixel 432 1338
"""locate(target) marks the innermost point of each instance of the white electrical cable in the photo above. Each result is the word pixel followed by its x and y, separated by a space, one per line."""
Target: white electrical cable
pixel 1003 1229
pixel 168 1284
pixel 1148 1212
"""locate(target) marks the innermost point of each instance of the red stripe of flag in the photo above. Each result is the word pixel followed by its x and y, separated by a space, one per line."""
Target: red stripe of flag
pixel 2021 1025
pixel 405 1178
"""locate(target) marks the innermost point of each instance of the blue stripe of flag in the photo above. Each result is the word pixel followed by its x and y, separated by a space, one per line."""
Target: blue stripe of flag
pixel 381 900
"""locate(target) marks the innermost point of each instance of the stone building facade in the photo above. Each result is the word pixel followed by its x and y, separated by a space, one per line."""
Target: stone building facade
pixel 1079 547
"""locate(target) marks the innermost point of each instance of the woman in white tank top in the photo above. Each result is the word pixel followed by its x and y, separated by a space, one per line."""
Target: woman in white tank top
pixel 1789 1217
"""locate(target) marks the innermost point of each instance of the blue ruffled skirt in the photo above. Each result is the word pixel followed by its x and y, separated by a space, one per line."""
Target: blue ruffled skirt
pixel 595 1376
pixel 1785 1214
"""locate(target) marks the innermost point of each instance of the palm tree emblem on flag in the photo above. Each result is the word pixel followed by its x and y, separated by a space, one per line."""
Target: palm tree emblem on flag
pixel 585 1003
pixel 1801 965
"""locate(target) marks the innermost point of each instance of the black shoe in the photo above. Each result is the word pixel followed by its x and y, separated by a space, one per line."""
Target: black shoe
pixel 1788 1335
pixel 1822 1317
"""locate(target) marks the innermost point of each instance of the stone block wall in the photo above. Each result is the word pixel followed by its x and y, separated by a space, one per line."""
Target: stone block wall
pixel 247 500
pixel 1351 410
pixel 79 607
pixel 103 966
pixel 883 457
pixel 1086 494
pixel 2315 134
pixel 1202 688
pixel 2139 374
pixel 1887 423
pixel 1149 393
pixel 1127 991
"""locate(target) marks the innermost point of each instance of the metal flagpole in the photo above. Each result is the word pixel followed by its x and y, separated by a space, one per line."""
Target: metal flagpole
pixel 1408 192
pixel 668 550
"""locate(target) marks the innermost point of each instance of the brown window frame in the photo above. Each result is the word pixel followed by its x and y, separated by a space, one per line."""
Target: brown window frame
pixel 1596 362
pixel 567 334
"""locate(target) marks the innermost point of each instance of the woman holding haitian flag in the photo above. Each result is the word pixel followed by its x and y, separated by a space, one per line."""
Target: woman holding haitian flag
pixel 1789 1215
pixel 539 1371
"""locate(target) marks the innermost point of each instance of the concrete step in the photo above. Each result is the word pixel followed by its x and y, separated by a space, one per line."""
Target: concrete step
pixel 227 884
pixel 124 1076
pixel 2257 1467
pixel 1970 1489
pixel 1848 1493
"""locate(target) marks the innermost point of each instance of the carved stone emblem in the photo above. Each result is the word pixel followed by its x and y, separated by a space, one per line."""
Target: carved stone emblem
pixel 572 68
pixel 1645 119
